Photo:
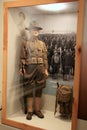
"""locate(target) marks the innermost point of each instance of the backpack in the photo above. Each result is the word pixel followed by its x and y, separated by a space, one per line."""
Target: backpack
pixel 64 96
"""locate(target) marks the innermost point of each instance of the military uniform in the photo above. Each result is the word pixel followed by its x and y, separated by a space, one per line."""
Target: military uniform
pixel 34 62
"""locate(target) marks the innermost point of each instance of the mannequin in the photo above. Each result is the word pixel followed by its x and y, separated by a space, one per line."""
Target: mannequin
pixel 34 69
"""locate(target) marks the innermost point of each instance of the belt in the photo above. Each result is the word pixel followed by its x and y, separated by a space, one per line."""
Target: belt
pixel 34 61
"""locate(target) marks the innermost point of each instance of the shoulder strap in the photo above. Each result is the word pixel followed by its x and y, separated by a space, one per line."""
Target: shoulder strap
pixel 56 102
pixel 55 106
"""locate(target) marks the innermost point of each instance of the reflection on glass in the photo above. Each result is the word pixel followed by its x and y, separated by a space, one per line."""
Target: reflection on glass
pixel 59 36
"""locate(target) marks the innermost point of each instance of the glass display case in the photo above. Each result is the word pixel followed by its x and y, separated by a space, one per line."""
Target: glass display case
pixel 62 35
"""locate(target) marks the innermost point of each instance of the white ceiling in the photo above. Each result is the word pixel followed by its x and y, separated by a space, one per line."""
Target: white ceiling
pixel 70 7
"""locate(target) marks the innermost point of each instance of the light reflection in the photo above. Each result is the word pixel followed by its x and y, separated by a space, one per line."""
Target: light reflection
pixel 53 7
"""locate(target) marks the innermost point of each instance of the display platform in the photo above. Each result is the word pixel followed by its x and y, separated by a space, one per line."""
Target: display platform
pixel 50 122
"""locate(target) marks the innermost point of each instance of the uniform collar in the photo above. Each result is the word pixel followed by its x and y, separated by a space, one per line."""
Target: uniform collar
pixel 33 39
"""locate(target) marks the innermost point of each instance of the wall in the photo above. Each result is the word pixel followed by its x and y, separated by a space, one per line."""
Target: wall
pixel 57 23
pixel 13 89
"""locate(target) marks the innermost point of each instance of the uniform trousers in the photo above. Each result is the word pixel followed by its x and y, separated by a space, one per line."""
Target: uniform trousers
pixel 34 80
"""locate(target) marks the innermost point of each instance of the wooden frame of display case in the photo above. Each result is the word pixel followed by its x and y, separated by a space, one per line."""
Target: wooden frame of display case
pixel 24 3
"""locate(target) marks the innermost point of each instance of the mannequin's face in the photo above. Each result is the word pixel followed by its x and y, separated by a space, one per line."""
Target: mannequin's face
pixel 34 33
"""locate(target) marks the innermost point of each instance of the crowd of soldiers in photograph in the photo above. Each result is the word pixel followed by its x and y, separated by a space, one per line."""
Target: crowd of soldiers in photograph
pixel 61 54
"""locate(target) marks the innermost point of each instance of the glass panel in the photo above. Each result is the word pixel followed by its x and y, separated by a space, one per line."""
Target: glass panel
pixel 58 34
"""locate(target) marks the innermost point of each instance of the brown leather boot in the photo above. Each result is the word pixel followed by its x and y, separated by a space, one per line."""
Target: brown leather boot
pixel 39 114
pixel 37 110
pixel 29 115
pixel 29 108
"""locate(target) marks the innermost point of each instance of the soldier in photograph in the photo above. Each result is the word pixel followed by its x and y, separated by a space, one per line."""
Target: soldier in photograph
pixel 55 63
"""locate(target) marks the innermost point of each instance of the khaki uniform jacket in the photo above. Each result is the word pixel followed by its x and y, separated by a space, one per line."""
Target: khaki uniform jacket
pixel 34 52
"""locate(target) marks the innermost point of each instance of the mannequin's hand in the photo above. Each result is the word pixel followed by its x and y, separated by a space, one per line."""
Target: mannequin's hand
pixel 46 72
pixel 22 72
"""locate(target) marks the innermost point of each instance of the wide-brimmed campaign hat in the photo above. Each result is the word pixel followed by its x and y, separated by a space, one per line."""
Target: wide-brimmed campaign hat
pixel 34 26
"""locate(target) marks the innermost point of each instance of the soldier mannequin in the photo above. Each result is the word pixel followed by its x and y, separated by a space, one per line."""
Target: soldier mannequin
pixel 34 68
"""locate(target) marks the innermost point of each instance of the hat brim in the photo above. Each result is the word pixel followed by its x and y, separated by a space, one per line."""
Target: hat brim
pixel 34 28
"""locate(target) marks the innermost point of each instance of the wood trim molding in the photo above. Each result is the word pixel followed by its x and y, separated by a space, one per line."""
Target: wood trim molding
pixel 33 2
pixel 77 64
pixel 4 81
